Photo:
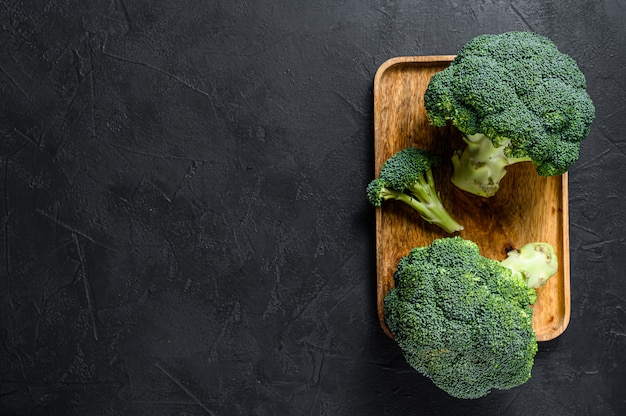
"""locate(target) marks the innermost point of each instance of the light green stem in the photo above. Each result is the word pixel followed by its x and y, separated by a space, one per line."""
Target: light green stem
pixel 480 167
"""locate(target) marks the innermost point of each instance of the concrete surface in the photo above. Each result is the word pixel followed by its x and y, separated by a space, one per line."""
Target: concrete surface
pixel 184 228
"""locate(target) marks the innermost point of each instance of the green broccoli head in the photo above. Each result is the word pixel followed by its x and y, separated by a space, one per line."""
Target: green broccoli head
pixel 407 177
pixel 520 92
pixel 407 167
pixel 377 191
pixel 461 319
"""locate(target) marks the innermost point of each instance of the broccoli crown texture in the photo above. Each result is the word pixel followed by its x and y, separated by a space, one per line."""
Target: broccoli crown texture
pixel 377 191
pixel 461 319
pixel 407 177
pixel 521 92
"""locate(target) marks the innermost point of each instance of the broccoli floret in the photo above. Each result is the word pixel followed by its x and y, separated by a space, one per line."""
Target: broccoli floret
pixel 407 176
pixel 515 97
pixel 461 319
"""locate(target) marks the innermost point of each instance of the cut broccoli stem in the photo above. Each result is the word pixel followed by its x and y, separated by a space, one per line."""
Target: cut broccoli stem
pixel 534 263
pixel 480 167
pixel 429 205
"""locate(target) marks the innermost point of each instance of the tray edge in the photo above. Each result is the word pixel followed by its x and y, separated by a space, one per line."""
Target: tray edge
pixel 564 263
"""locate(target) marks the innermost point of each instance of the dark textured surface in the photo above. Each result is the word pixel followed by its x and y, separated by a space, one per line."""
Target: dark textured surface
pixel 183 222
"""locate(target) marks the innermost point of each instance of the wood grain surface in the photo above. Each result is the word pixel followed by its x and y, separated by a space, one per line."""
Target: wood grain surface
pixel 527 207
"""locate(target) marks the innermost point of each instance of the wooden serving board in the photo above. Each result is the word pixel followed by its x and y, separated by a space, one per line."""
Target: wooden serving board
pixel 527 207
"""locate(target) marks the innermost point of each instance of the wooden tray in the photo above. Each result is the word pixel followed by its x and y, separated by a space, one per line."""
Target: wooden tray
pixel 527 207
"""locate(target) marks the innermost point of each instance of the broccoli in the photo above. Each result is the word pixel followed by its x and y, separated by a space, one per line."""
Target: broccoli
pixel 461 319
pixel 535 263
pixel 515 97
pixel 407 176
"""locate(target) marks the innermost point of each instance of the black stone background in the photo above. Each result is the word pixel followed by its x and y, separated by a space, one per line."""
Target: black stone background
pixel 183 222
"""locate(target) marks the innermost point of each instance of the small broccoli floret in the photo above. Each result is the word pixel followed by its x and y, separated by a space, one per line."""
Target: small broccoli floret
pixel 461 319
pixel 534 263
pixel 515 97
pixel 407 176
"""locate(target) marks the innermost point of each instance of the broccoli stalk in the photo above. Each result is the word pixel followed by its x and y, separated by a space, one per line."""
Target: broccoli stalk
pixel 515 97
pixel 464 320
pixel 407 177
pixel 480 167
pixel 429 205
pixel 534 263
